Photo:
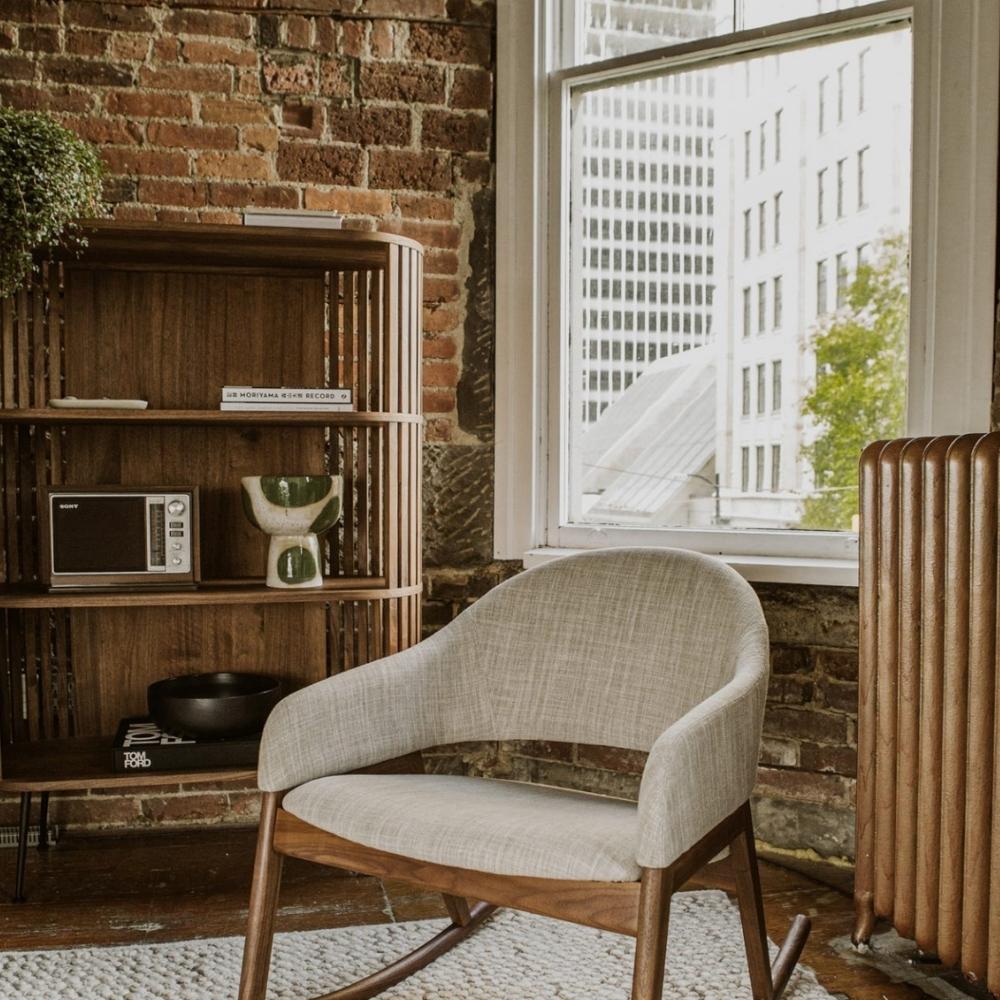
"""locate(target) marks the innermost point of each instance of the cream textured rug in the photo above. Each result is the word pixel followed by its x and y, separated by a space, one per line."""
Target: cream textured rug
pixel 514 956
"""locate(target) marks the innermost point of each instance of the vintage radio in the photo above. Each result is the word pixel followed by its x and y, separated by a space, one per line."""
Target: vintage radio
pixel 120 537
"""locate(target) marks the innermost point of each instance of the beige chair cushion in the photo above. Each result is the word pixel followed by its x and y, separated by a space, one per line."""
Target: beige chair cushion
pixel 502 827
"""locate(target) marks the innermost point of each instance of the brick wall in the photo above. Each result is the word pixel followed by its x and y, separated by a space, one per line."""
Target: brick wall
pixel 381 110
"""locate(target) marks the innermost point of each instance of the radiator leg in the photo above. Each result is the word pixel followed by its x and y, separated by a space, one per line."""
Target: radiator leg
pixel 22 847
pixel 864 918
pixel 43 823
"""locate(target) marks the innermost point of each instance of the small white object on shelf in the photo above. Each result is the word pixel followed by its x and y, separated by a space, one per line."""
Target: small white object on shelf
pixel 72 403
pixel 293 219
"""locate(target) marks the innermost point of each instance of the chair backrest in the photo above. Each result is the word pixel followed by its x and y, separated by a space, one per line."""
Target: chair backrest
pixel 606 647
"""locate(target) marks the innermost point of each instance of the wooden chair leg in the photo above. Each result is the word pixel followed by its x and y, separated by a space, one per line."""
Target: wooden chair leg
pixel 458 909
pixel 651 939
pixel 263 905
pixel 767 981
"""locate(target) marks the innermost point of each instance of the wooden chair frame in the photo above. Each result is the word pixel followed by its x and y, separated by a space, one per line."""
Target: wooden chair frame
pixel 640 909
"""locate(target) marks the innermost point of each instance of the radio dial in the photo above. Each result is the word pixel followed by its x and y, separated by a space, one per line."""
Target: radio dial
pixel 176 507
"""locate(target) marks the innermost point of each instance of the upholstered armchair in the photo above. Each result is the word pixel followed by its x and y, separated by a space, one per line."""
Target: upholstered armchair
pixel 647 649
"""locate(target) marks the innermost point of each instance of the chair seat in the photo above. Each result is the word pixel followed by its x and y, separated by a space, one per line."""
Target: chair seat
pixel 503 827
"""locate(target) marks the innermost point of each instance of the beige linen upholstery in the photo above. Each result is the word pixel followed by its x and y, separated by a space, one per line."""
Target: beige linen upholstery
pixel 646 649
pixel 497 826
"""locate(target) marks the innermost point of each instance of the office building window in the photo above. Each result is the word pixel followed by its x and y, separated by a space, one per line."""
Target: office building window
pixel 820 287
pixel 820 195
pixel 841 279
pixel 821 111
pixel 761 388
pixel 862 59
pixel 841 86
pixel 759 472
pixel 777 304
pixel 746 312
pixel 777 135
pixel 746 154
pixel 862 198
pixel 745 470
pixel 746 392
pixel 761 306
pixel 863 255
pixel 775 468
pixel 841 170
pixel 761 227
pixel 777 219
pixel 775 385
pixel 763 146
pixel 746 234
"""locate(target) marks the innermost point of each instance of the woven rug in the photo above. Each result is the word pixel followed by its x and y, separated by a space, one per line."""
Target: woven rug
pixel 514 956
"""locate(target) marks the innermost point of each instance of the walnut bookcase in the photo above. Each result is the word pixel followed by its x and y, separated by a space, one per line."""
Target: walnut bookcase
pixel 170 314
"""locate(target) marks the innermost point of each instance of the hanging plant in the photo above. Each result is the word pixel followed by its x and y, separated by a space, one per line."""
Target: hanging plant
pixel 49 179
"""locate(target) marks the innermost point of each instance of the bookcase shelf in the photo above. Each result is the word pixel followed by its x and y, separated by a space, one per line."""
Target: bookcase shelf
pixel 171 313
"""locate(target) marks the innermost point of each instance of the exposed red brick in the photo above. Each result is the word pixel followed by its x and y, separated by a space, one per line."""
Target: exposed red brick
pixel 441 319
pixel 16 67
pixel 290 76
pixel 438 400
pixel 176 215
pixel 438 430
pixel 188 194
pixel 32 11
pixel 463 133
pixel 209 22
pixel 191 136
pixel 89 72
pixel 439 373
pixel 298 31
pixel 353 38
pixel 108 16
pixel 299 161
pixel 150 162
pixel 134 213
pixel 393 169
pixel 130 48
pixel 838 760
pixel 227 195
pixel 197 51
pixel 233 112
pixel 138 105
pixel 324 35
pixel 450 43
pixel 475 169
pixel 437 290
pixel 811 786
pixel 371 125
pixel 383 39
pixel 839 663
pixel 88 43
pixel 238 166
pixel 20 95
pixel 539 749
pixel 349 202
pixel 790 660
pixel 38 39
pixel 439 347
pixel 447 235
pixel 401 81
pixel 440 262
pixel 220 217
pixel 840 696
pixel 336 78
pixel 110 810
pixel 8 36
pixel 260 137
pixel 167 49
pixel 473 89
pixel 105 131
pixel 790 690
pixel 423 206
pixel 188 78
pixel 612 759
pixel 805 724
pixel 206 806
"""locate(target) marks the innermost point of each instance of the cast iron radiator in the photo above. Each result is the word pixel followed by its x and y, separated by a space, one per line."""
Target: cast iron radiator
pixel 928 798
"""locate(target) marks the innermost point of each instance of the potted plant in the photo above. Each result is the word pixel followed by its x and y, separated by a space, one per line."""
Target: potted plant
pixel 49 179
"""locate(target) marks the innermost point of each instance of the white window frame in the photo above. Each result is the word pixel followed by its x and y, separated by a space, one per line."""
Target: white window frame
pixel 953 239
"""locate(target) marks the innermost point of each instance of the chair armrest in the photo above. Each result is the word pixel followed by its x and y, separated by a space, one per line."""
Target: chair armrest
pixel 701 769
pixel 375 712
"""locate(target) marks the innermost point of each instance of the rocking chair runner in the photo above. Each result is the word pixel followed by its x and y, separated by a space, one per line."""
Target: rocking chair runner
pixel 646 649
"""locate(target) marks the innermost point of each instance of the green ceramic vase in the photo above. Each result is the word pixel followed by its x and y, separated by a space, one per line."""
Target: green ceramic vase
pixel 293 510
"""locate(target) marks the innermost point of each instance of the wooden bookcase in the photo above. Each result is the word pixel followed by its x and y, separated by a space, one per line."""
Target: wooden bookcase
pixel 170 314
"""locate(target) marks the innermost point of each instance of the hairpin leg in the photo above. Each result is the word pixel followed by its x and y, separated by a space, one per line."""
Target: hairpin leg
pixel 22 847
pixel 43 823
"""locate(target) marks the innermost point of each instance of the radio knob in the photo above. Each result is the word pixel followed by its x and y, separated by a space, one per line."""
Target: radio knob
pixel 176 507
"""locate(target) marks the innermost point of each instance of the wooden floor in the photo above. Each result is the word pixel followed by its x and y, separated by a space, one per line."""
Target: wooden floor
pixel 166 886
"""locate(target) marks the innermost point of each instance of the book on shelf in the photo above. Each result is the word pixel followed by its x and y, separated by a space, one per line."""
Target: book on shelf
pixel 289 407
pixel 140 745
pixel 283 394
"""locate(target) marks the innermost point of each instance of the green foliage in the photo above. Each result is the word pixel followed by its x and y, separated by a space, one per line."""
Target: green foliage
pixel 860 390
pixel 49 178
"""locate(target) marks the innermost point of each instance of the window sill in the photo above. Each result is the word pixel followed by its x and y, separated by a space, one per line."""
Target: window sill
pixel 756 569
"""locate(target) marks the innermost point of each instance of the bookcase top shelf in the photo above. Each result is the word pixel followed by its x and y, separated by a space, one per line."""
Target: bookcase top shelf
pixel 231 418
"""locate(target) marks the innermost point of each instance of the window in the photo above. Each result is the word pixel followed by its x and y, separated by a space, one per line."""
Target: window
pixel 821 111
pixel 746 155
pixel 761 306
pixel 862 59
pixel 775 468
pixel 777 135
pixel 759 477
pixel 761 388
pixel 746 234
pixel 776 295
pixel 762 227
pixel 821 288
pixel 863 255
pixel 862 200
pixel 777 219
pixel 745 470
pixel 775 385
pixel 746 312
pixel 841 167
pixel 841 279
pixel 841 79
pixel 763 146
pixel 746 392
pixel 820 195
pixel 561 208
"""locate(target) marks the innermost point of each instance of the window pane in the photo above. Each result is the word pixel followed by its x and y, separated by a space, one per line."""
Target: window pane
pixel 669 393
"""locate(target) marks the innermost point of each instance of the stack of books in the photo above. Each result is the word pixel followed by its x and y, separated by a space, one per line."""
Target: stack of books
pixel 140 745
pixel 248 397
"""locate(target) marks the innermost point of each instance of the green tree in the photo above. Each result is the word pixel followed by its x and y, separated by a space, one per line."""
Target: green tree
pixel 860 390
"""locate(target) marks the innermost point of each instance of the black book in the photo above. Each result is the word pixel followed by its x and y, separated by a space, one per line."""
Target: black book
pixel 140 745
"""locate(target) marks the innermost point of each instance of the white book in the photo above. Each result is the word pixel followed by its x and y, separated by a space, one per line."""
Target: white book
pixel 281 394
pixel 289 407
pixel 294 219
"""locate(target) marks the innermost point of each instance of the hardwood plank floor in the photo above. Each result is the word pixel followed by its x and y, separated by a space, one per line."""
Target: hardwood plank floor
pixel 169 885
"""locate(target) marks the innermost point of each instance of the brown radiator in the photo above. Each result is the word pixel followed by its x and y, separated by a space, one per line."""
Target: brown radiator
pixel 928 826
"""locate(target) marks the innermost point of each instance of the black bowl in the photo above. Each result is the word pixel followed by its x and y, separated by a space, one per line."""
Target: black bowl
pixel 213 706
